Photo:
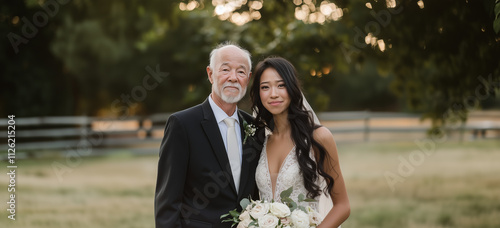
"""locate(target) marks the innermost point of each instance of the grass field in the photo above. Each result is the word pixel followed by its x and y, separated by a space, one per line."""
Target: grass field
pixel 453 185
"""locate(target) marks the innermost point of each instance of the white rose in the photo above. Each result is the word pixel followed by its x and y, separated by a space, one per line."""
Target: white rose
pixel 244 216
pixel 300 219
pixel 268 221
pixel 244 223
pixel 315 218
pixel 259 210
pixel 241 225
pixel 285 221
pixel 280 210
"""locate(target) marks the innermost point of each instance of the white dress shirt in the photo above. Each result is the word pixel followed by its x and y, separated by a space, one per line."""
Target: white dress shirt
pixel 220 115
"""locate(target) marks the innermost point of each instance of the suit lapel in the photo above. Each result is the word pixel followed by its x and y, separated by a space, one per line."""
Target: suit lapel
pixel 211 128
pixel 246 157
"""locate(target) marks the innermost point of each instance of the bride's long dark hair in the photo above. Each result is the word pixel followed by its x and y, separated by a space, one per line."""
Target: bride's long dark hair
pixel 301 123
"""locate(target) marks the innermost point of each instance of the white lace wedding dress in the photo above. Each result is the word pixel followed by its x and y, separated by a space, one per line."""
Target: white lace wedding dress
pixel 289 175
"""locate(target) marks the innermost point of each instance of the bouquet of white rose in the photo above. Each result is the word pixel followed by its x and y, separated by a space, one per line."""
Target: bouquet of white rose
pixel 287 214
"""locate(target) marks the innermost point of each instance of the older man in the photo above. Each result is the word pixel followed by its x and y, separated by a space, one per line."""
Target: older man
pixel 205 169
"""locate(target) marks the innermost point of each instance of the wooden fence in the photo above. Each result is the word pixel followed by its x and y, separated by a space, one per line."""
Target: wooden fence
pixel 34 134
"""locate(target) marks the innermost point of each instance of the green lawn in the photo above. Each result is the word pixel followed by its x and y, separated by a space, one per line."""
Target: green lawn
pixel 453 185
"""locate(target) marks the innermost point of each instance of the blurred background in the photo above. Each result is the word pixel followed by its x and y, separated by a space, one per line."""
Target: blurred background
pixel 410 90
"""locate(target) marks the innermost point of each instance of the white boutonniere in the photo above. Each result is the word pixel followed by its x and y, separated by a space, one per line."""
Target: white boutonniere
pixel 249 130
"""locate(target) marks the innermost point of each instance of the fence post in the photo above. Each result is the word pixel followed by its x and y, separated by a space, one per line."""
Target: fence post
pixel 462 131
pixel 147 126
pixel 367 126
pixel 86 127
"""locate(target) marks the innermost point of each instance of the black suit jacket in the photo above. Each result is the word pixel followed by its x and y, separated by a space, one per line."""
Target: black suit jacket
pixel 195 184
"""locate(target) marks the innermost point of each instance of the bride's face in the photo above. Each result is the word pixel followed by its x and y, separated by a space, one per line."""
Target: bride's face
pixel 273 93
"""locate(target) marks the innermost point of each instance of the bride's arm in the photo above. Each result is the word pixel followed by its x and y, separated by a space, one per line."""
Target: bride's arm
pixel 341 209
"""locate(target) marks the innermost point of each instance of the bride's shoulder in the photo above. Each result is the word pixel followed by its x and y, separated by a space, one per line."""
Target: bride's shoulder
pixel 323 136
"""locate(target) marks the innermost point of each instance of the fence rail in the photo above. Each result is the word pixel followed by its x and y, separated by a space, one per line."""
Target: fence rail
pixel 35 134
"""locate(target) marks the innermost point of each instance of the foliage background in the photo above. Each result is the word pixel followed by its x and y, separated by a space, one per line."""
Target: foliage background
pixel 89 57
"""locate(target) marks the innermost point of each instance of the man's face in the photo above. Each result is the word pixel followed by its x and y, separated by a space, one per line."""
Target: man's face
pixel 230 75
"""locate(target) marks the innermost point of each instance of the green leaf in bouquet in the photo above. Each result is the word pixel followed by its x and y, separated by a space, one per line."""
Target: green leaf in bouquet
pixel 234 220
pixel 302 208
pixel 253 223
pixel 224 215
pixel 286 193
pixel 244 203
pixel 234 213
pixel 292 205
pixel 301 197
pixel 234 216
pixel 288 201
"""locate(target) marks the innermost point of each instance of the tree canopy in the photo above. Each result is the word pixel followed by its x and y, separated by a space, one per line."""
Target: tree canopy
pixel 110 58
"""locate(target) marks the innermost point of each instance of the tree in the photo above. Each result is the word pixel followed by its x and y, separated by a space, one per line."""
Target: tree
pixel 94 58
pixel 443 54
pixel 31 79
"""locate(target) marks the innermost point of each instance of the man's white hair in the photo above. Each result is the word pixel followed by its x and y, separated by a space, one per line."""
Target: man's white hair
pixel 214 52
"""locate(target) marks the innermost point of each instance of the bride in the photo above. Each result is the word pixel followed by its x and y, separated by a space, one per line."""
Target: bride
pixel 298 152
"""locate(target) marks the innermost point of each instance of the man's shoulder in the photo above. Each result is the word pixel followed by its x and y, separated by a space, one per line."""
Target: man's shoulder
pixel 189 113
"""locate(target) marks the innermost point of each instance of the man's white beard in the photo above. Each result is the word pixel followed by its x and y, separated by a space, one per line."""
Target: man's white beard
pixel 226 98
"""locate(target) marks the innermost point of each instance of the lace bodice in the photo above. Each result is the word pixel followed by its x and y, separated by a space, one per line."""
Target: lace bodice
pixel 289 175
